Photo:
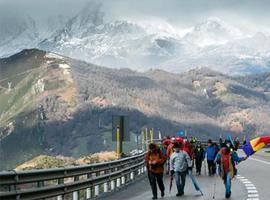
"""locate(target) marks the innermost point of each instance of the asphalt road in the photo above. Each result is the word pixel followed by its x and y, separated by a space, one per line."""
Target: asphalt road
pixel 257 170
pixel 252 183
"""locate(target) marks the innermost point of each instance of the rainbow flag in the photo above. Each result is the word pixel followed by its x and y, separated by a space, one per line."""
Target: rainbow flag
pixel 255 145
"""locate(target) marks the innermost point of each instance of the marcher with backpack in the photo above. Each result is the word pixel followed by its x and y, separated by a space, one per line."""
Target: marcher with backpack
pixel 180 163
pixel 199 157
pixel 155 161
pixel 211 153
pixel 227 161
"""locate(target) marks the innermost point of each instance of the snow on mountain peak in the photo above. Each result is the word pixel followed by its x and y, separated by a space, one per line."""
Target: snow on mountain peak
pixel 213 31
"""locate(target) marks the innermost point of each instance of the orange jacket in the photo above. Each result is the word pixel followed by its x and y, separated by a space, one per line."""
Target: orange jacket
pixel 159 160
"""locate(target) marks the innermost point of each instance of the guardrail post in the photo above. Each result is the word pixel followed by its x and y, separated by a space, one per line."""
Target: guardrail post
pixel 105 187
pixel 40 184
pixel 60 181
pixel 88 193
pixel 96 190
pixel 132 175
pixel 142 169
pixel 118 183
pixel 123 180
pixel 89 190
pixel 112 185
pixel 76 194
pixel 60 197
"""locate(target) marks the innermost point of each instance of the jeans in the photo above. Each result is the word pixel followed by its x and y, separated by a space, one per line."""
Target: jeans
pixel 180 179
pixel 227 182
pixel 156 178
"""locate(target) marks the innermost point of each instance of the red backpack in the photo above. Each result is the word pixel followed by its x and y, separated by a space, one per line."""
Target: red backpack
pixel 225 162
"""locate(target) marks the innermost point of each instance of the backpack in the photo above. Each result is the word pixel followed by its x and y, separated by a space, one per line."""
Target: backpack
pixel 226 165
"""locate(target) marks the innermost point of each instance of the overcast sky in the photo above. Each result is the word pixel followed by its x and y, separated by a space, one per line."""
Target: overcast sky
pixel 181 13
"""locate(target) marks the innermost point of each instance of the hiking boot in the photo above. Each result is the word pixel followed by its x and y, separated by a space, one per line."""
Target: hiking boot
pixel 162 194
pixel 228 195
pixel 154 197
pixel 180 194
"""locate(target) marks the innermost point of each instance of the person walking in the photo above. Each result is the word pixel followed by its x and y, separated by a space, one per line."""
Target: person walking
pixel 210 156
pixel 180 163
pixel 170 152
pixel 227 161
pixel 155 160
pixel 199 157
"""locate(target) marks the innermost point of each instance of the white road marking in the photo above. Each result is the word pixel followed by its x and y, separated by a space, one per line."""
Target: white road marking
pixel 250 187
pixel 262 161
pixel 245 182
pixel 253 195
pixel 252 191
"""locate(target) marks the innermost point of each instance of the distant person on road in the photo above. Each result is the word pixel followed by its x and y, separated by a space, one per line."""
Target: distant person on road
pixel 188 147
pixel 170 152
pixel 170 147
pixel 217 148
pixel 199 157
pixel 155 160
pixel 211 152
pixel 227 161
pixel 180 163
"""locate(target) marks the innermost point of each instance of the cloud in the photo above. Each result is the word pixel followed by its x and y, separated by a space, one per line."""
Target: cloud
pixel 181 13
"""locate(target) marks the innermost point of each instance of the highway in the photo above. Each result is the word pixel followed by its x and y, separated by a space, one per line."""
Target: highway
pixel 252 183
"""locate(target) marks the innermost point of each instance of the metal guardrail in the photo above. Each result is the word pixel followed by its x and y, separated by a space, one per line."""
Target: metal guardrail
pixel 87 180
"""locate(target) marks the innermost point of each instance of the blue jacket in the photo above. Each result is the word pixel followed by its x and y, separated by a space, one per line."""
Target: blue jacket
pixel 211 152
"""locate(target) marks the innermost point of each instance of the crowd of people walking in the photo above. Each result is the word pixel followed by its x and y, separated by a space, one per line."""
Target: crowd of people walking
pixel 177 156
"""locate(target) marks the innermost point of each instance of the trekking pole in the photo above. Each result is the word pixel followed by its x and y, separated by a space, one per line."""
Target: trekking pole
pixel 215 183
pixel 205 173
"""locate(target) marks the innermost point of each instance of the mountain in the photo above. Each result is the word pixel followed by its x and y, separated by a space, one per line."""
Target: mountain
pixel 213 31
pixel 51 104
pixel 213 43
pixel 139 45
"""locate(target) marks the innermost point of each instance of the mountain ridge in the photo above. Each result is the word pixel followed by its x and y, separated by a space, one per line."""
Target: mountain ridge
pixel 63 106
pixel 123 43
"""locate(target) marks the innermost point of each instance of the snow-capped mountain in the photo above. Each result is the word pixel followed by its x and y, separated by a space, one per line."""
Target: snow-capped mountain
pixel 213 32
pixel 141 45
pixel 114 44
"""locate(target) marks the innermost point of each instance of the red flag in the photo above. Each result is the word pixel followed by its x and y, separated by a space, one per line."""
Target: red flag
pixel 263 139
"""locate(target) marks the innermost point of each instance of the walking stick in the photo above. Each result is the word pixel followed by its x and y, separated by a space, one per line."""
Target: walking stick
pixel 204 167
pixel 171 182
pixel 215 183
